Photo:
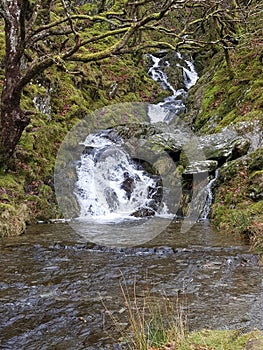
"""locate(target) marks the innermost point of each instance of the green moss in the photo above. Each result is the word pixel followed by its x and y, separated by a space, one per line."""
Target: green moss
pixel 11 188
pixel 238 204
pixel 7 180
pixel 255 161
pixel 238 198
pixel 222 340
pixel 257 208
pixel 225 100
pixel 90 87
pixel 72 97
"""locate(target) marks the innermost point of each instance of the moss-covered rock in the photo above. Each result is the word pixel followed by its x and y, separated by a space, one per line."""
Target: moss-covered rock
pixel 13 219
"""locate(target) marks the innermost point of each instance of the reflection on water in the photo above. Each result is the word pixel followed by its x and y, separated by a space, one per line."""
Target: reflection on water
pixel 52 284
pixel 125 233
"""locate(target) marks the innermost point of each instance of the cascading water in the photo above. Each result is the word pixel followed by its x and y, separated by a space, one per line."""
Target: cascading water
pixel 110 183
pixel 209 197
pixel 190 75
pixel 176 102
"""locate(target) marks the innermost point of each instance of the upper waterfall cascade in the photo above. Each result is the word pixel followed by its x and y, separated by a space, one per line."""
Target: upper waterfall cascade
pixel 174 103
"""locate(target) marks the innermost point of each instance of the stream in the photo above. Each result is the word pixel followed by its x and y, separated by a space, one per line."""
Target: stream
pixel 55 288
pixel 60 284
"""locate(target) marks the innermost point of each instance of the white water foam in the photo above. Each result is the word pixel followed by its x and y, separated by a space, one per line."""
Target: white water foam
pixel 110 184
pixel 176 102
pixel 190 75
pixel 209 197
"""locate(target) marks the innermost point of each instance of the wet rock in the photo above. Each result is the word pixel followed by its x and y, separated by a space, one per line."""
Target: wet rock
pixel 171 141
pixel 111 198
pixel 128 184
pixel 223 146
pixel 112 135
pixel 143 212
pixel 163 250
pixel 220 147
pixel 241 260
pixel 137 251
pixel 208 166
pixel 253 131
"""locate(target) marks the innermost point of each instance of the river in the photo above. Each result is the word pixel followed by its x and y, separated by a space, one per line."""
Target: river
pixel 56 290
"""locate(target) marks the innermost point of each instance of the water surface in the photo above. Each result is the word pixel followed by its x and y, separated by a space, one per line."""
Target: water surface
pixel 54 287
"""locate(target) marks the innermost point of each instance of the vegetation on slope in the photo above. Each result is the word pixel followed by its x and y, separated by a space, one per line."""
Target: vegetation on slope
pixel 30 176
pixel 218 101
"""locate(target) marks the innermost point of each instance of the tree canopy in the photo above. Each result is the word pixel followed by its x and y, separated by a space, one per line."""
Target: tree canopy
pixel 42 33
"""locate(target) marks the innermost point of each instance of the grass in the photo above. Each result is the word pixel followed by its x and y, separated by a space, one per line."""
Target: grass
pixel 152 321
pixel 222 340
pixel 160 323
pixel 155 322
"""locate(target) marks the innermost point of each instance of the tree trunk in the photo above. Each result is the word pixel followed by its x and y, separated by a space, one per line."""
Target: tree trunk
pixel 13 123
pixel 12 119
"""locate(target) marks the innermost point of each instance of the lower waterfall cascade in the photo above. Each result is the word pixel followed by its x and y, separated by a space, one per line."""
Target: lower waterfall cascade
pixel 110 183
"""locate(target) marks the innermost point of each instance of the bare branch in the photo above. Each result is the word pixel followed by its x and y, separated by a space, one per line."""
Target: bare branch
pixel 34 15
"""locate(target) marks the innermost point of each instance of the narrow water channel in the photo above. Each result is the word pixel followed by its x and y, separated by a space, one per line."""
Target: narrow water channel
pixel 55 288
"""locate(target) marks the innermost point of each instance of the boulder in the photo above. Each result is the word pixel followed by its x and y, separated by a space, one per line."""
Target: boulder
pixel 128 184
pixel 223 146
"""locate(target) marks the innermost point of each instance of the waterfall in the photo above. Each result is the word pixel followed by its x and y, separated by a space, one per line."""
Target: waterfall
pixel 209 197
pixel 190 75
pixel 112 184
pixel 174 103
pixel 158 75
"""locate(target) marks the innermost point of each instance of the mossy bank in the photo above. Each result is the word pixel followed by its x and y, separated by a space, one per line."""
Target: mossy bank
pixel 221 101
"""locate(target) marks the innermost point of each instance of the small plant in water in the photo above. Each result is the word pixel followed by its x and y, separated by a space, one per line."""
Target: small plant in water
pixel 155 322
